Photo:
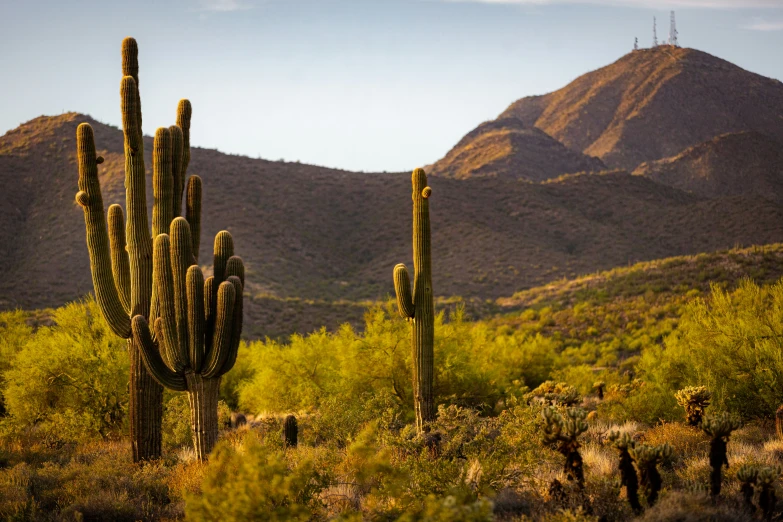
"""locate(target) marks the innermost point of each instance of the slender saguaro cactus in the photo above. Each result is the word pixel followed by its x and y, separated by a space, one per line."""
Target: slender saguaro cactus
pixel 121 253
pixel 185 355
pixel 418 308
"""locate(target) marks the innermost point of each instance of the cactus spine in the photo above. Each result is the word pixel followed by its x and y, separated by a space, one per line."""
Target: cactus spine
pixel 418 307
pixel 181 356
pixel 121 251
pixel 291 431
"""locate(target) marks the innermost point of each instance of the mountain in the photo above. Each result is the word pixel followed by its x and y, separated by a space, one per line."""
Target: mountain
pixel 654 103
pixel 737 163
pixel 509 148
pixel 319 244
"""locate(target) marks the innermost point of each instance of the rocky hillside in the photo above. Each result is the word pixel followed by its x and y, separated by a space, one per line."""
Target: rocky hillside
pixel 654 103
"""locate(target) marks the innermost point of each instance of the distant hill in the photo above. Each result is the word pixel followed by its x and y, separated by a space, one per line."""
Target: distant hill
pixel 509 148
pixel 320 243
pixel 654 103
pixel 738 163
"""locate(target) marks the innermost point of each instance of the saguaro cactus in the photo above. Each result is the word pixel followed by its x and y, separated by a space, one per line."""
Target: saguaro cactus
pixel 418 307
pixel 184 354
pixel 122 271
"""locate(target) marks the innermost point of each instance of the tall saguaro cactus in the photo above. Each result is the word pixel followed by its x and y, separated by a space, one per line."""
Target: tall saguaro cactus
pixel 418 307
pixel 197 333
pixel 121 252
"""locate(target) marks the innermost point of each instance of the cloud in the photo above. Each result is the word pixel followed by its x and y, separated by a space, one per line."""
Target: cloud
pixel 223 6
pixel 648 4
pixel 764 25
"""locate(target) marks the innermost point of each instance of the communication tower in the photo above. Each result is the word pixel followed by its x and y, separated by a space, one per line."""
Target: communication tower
pixel 673 32
pixel 655 32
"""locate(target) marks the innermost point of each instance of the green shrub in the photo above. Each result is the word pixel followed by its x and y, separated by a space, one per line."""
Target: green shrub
pixel 254 482
pixel 70 380
pixel 730 343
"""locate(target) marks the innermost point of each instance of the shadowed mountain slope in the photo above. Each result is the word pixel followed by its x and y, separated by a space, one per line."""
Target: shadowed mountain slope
pixel 318 243
pixel 508 148
pixel 653 104
pixel 739 163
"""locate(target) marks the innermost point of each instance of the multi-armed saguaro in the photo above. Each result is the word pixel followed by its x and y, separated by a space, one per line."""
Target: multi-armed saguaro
pixel 418 308
pixel 198 327
pixel 122 273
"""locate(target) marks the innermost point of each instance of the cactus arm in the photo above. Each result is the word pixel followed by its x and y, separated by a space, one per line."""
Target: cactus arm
pixel 221 342
pixel 119 256
pixel 176 168
pixel 164 281
pixel 193 213
pixel 210 302
pixel 181 260
pixel 162 182
pixel 137 227
pixel 130 67
pixel 236 267
pixel 224 249
pixel 90 199
pixel 184 112
pixel 152 360
pixel 402 287
pixel 236 326
pixel 195 291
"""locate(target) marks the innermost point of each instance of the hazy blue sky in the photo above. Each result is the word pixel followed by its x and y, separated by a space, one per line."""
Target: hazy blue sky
pixel 356 84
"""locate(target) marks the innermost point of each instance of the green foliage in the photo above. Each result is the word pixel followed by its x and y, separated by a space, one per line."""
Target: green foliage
pixel 69 381
pixel 730 343
pixel 254 483
pixel 14 333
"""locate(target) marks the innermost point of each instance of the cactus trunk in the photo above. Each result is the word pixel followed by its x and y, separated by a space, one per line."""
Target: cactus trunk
pixel 291 431
pixel 419 308
pixel 203 396
pixel 145 410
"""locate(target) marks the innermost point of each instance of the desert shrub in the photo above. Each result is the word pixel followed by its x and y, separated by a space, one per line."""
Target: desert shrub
pixel 69 381
pixel 694 507
pixel 254 482
pixel 14 333
pixel 242 372
pixel 451 508
pixel 730 343
pixel 176 431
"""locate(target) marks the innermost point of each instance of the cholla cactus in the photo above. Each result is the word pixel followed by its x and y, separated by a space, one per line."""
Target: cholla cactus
pixel 291 431
pixel 765 482
pixel 624 444
pixel 563 432
pixel 599 387
pixel 647 459
pixel 747 475
pixel 555 393
pixel 694 399
pixel 719 428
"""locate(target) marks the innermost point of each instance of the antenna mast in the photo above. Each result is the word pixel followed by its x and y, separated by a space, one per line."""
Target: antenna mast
pixel 655 32
pixel 673 33
pixel 635 44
